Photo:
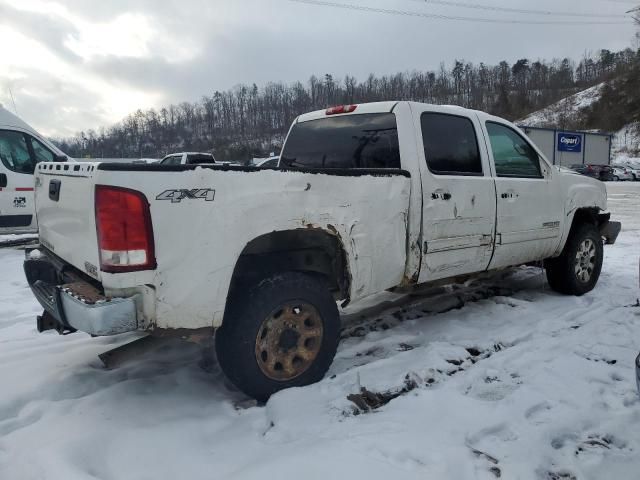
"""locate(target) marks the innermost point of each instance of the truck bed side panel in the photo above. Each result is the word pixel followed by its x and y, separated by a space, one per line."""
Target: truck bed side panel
pixel 199 237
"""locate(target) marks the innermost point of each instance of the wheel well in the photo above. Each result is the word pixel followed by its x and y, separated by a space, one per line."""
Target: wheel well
pixel 590 215
pixel 586 215
pixel 310 250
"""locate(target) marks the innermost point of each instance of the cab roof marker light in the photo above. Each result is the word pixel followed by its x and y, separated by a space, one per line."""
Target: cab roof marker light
pixel 339 109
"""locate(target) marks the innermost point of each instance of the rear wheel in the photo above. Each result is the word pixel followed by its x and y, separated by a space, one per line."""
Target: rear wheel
pixel 279 333
pixel 577 270
pixel 616 178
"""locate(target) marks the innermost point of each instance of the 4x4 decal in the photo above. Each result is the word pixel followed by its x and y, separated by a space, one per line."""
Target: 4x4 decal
pixel 176 196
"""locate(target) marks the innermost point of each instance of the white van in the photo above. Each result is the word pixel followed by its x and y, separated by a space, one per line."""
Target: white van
pixel 21 148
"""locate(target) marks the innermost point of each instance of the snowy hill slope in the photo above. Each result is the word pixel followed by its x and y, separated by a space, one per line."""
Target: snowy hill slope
pixel 570 111
pixel 564 112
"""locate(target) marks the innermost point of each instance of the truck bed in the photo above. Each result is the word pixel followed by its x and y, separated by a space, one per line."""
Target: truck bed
pixel 204 216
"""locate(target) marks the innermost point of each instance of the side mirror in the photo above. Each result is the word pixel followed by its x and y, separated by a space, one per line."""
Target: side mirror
pixel 60 158
pixel 3 180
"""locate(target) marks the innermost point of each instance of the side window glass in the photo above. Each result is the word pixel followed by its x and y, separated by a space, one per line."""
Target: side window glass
pixel 14 152
pixel 450 144
pixel 199 159
pixel 512 154
pixel 42 153
pixel 174 160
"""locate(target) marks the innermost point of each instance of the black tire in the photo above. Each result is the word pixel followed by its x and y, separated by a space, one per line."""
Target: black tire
pixel 253 310
pixel 616 178
pixel 570 273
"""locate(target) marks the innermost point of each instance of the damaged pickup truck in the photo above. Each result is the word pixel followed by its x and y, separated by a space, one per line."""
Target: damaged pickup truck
pixel 366 198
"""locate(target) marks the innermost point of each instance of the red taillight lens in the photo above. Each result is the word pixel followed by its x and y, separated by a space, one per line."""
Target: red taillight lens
pixel 125 233
pixel 341 109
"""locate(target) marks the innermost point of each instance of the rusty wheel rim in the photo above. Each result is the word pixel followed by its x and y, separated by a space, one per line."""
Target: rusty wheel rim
pixel 289 341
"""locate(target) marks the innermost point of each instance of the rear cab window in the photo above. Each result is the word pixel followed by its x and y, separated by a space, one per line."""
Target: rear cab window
pixel 199 158
pixel 358 141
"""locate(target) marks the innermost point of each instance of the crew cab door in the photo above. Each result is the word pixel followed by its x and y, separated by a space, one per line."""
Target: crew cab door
pixel 529 210
pixel 459 204
pixel 19 154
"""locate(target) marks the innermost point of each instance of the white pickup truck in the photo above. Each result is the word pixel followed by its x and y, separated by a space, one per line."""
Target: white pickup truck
pixel 366 198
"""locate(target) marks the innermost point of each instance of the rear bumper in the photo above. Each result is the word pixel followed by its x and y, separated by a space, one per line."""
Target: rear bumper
pixel 72 304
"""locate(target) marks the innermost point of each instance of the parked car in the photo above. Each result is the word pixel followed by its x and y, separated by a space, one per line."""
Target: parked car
pixel 632 170
pixel 374 197
pixel 603 173
pixel 188 158
pixel 621 174
pixel 21 148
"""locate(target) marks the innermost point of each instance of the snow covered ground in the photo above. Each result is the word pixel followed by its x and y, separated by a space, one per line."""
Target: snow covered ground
pixel 509 380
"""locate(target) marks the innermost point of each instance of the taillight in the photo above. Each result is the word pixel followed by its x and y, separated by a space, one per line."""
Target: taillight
pixel 125 233
pixel 341 109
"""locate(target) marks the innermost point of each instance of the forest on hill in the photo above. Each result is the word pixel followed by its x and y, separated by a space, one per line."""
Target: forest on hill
pixel 251 121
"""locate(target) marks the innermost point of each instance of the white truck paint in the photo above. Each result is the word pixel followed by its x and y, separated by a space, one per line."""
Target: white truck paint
pixel 391 227
pixel 21 148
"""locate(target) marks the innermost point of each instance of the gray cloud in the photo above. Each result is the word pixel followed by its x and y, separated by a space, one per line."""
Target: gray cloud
pixel 56 107
pixel 49 30
pixel 249 41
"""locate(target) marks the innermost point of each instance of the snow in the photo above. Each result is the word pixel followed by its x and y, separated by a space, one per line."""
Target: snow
pixel 556 114
pixel 625 148
pixel 15 239
pixel 500 375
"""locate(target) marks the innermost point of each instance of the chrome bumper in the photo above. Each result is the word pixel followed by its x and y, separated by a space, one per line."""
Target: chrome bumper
pixel 72 304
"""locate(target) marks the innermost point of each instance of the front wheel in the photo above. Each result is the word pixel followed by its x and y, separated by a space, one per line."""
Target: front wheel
pixel 577 270
pixel 281 332
pixel 616 178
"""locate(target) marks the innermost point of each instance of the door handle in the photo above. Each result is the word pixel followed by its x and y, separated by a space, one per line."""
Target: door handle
pixel 54 190
pixel 3 180
pixel 510 194
pixel 441 195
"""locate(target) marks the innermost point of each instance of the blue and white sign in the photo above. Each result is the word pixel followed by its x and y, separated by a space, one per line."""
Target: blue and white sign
pixel 569 142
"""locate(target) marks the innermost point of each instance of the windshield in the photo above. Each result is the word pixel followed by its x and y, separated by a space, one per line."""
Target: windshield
pixel 351 141
pixel 171 160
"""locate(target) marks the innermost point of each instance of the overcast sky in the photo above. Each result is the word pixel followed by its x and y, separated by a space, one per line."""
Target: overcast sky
pixel 79 64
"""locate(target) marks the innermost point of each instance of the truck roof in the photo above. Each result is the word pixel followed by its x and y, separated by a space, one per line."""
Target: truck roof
pixel 9 120
pixel 383 107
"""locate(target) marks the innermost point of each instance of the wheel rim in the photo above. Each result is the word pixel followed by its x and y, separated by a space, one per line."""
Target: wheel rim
pixel 289 341
pixel 585 260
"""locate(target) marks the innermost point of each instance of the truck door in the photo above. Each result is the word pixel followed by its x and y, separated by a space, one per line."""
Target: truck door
pixel 529 210
pixel 459 204
pixel 19 154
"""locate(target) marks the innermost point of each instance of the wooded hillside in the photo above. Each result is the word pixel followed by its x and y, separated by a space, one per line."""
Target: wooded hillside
pixel 249 121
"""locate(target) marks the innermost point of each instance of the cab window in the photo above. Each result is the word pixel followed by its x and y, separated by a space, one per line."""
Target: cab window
pixel 450 144
pixel 14 152
pixel 173 160
pixel 512 154
pixel 349 142
pixel 40 152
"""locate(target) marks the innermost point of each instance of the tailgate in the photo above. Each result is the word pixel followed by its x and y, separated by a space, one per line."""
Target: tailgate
pixel 64 198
